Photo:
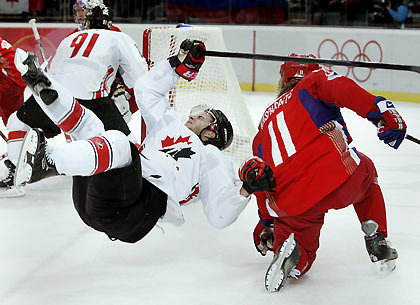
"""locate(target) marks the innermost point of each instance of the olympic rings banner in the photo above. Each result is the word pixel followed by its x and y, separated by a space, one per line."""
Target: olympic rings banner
pixel 351 50
pixel 352 44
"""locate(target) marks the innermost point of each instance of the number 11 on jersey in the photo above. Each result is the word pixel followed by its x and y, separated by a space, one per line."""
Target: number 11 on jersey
pixel 285 136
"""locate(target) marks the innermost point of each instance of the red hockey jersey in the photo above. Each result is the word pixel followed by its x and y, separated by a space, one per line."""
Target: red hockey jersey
pixel 11 83
pixel 303 137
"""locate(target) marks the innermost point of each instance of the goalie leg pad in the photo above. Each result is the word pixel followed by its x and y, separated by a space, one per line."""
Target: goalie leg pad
pixel 26 158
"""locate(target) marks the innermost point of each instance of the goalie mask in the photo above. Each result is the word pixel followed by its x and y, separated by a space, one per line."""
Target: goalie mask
pixel 294 70
pixel 98 15
pixel 79 14
pixel 220 126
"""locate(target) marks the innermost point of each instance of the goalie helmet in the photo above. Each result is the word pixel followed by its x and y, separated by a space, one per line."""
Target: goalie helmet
pixel 294 70
pixel 222 129
pixel 98 15
pixel 79 14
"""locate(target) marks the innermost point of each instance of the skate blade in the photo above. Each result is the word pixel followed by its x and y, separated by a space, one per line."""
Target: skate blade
pixel 275 277
pixel 385 267
pixel 13 191
pixel 23 171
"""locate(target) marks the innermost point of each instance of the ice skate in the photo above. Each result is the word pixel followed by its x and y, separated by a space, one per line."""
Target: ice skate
pixel 7 186
pixel 283 263
pixel 378 248
pixel 34 77
pixel 34 164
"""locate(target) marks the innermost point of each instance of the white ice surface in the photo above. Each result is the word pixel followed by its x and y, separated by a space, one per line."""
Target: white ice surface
pixel 49 257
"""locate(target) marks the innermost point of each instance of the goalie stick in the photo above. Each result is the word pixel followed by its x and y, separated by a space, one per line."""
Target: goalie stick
pixel 333 62
pixel 32 22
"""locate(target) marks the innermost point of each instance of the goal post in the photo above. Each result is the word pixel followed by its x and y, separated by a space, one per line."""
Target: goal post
pixel 216 83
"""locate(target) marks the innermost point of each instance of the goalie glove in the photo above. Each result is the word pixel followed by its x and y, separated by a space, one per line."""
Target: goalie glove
pixel 264 236
pixel 121 98
pixel 391 126
pixel 256 175
pixel 189 59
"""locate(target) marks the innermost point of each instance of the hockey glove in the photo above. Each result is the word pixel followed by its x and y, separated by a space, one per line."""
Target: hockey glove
pixel 189 59
pixel 391 126
pixel 256 175
pixel 264 236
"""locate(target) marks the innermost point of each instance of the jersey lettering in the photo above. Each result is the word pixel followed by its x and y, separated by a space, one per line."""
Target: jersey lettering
pixel 79 41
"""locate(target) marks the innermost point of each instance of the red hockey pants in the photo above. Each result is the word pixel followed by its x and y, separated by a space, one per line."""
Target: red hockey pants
pixel 361 190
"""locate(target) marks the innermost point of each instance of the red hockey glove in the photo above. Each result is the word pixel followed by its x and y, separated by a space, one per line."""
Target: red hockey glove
pixel 391 126
pixel 263 238
pixel 256 175
pixel 189 59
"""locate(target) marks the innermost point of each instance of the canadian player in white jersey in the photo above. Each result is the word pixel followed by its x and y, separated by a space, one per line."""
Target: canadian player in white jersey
pixel 88 61
pixel 121 190
pixel 91 56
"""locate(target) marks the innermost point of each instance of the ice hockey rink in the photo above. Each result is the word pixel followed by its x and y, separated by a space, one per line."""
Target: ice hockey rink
pixel 49 257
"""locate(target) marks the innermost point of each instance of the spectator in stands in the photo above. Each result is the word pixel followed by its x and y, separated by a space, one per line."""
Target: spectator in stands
pixel 399 12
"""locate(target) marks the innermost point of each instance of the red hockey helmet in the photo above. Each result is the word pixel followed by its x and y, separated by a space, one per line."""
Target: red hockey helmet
pixel 294 70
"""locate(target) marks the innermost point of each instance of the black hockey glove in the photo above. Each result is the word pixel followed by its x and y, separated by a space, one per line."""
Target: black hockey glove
pixel 257 176
pixel 189 59
pixel 264 236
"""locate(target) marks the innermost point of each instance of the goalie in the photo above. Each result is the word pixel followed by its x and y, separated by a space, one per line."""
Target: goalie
pixel 304 138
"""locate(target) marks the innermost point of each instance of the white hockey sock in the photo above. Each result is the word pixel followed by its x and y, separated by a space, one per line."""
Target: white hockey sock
pixel 69 115
pixel 87 157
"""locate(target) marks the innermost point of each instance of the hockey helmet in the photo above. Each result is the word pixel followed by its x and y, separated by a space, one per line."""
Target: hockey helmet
pixel 79 14
pixel 98 15
pixel 294 70
pixel 222 129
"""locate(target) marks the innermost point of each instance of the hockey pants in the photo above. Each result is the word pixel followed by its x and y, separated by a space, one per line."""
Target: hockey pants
pixel 361 190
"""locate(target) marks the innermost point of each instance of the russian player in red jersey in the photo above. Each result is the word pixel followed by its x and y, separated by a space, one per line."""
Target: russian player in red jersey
pixel 303 138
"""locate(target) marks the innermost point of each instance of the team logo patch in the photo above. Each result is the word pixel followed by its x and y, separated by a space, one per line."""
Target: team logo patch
pixel 177 148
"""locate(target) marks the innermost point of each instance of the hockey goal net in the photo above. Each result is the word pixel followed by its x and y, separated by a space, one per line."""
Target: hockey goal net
pixel 216 83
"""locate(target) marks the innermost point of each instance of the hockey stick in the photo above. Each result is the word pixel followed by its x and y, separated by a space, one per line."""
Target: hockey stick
pixel 32 22
pixel 3 136
pixel 412 139
pixel 333 62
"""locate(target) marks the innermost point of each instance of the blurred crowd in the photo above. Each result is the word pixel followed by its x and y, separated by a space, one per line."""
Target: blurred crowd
pixel 381 13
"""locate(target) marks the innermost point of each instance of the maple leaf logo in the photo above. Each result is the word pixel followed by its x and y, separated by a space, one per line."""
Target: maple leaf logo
pixel 177 152
pixel 170 141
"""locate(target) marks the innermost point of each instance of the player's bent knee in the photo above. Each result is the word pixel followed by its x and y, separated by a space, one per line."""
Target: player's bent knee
pixel 120 147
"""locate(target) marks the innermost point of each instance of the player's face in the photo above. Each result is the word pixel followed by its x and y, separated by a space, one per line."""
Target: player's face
pixel 80 14
pixel 198 120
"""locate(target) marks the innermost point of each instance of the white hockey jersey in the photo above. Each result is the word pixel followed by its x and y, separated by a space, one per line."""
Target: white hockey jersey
pixel 86 62
pixel 174 159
